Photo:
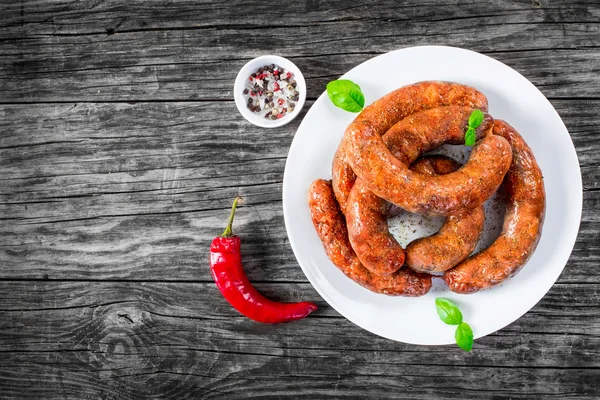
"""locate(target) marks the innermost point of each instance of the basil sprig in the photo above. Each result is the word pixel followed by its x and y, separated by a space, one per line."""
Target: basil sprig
pixel 451 315
pixel 475 119
pixel 464 336
pixel 346 95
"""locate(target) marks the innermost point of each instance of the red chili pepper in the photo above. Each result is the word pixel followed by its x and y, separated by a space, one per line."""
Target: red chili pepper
pixel 227 271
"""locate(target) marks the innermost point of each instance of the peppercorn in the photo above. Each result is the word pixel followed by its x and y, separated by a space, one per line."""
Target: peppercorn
pixel 245 91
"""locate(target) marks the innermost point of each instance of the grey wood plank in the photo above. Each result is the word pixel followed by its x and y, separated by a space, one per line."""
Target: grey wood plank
pixel 65 54
pixel 131 340
pixel 66 17
pixel 138 191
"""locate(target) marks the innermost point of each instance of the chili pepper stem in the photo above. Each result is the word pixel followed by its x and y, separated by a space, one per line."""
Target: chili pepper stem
pixel 228 230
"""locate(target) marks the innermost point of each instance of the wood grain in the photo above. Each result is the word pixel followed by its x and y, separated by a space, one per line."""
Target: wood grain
pixel 131 340
pixel 138 191
pixel 106 52
pixel 121 150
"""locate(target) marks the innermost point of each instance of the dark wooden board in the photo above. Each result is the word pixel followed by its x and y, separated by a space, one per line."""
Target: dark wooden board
pixel 133 340
pixel 121 150
pixel 138 191
pixel 192 51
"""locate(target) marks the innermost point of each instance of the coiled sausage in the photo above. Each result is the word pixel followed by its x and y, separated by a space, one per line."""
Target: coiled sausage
pixel 331 228
pixel 526 200
pixel 396 106
pixel 366 213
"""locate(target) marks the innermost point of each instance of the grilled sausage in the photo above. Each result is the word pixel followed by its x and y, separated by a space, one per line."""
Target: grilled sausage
pixel 366 213
pixel 458 236
pixel 526 200
pixel 331 228
pixel 395 106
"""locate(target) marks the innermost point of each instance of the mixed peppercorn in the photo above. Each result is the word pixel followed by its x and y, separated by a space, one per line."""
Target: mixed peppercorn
pixel 271 92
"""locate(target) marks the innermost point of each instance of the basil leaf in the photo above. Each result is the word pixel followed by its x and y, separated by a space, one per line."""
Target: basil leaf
pixel 346 95
pixel 475 119
pixel 448 311
pixel 470 137
pixel 464 336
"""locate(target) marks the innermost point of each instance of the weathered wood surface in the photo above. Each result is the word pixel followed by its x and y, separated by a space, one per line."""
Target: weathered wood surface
pixel 120 152
pixel 104 50
pixel 133 340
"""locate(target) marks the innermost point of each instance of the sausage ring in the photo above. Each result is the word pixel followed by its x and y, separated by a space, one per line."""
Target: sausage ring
pixel 526 201
pixel 458 236
pixel 395 106
pixel 366 213
pixel 447 194
pixel 331 228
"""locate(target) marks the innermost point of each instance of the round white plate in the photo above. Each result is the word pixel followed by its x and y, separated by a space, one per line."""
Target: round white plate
pixel 512 98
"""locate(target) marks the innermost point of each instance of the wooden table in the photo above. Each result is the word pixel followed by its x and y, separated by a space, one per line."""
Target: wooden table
pixel 121 150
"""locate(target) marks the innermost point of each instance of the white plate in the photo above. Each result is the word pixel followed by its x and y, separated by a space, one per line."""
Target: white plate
pixel 512 98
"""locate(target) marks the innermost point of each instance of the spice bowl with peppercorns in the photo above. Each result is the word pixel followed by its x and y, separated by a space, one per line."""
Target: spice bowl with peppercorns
pixel 269 91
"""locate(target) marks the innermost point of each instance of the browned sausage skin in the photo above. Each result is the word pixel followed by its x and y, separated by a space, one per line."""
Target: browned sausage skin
pixel 331 228
pixel 342 177
pixel 453 193
pixel 458 236
pixel 368 231
pixel 396 106
pixel 522 227
pixel 366 213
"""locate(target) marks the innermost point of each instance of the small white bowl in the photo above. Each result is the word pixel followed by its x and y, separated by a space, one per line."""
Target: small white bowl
pixel 240 84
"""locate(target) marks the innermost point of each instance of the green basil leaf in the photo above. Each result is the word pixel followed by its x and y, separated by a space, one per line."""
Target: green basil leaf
pixel 448 311
pixel 470 137
pixel 346 95
pixel 464 336
pixel 475 119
